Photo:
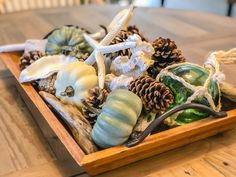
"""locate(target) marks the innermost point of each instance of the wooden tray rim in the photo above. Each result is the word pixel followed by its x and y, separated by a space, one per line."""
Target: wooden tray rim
pixel 108 155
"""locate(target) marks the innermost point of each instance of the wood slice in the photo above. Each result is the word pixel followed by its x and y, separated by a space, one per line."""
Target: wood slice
pixel 78 124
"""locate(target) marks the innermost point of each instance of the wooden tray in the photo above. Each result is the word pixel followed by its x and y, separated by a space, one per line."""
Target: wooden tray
pixel 112 158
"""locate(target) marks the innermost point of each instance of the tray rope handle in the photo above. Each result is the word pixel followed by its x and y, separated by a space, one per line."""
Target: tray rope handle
pixel 213 66
pixel 161 118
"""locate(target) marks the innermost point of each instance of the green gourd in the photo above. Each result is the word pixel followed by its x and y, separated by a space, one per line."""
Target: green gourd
pixel 68 40
pixel 194 75
pixel 117 119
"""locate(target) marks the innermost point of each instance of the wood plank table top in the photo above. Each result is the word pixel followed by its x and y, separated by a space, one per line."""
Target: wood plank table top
pixel 26 151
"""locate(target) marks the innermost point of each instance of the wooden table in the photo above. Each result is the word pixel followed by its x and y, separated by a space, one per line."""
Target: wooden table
pixel 25 150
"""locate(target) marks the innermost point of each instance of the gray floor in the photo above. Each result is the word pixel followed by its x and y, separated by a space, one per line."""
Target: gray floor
pixel 218 7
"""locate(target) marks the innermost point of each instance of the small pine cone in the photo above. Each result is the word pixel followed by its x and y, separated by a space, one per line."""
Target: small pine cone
pixel 47 84
pixel 124 34
pixel 166 53
pixel 95 99
pixel 134 30
pixel 29 57
pixel 154 95
pixel 122 37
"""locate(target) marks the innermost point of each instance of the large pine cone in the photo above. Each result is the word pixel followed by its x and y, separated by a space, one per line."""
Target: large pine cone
pixel 96 98
pixel 166 53
pixel 122 37
pixel 29 57
pixel 154 95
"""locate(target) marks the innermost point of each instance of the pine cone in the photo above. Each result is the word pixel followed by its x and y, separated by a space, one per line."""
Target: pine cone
pixel 29 57
pixel 166 53
pixel 124 34
pixel 47 84
pixel 134 30
pixel 122 37
pixel 154 95
pixel 96 98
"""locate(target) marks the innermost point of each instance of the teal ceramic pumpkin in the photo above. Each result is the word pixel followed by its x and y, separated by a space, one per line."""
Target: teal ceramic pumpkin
pixel 117 119
pixel 69 41
pixel 194 75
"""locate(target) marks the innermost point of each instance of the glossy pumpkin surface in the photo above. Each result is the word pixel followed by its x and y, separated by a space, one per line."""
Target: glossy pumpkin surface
pixel 196 76
pixel 117 119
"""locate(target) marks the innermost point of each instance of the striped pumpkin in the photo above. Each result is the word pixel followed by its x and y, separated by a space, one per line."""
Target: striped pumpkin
pixel 117 119
pixel 67 40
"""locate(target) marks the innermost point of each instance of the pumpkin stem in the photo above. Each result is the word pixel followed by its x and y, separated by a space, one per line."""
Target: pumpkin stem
pixel 90 108
pixel 68 92
pixel 66 50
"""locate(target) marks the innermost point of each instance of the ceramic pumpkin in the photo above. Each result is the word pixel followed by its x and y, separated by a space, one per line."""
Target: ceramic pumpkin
pixel 74 81
pixel 196 76
pixel 69 41
pixel 117 119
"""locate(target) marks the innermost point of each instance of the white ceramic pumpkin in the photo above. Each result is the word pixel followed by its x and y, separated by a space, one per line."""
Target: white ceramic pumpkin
pixel 74 81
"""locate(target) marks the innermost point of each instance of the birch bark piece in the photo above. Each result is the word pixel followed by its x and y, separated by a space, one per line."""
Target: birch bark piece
pixel 79 126
pixel 228 91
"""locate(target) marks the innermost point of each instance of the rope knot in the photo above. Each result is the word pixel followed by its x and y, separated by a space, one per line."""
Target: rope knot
pixel 198 91
pixel 220 77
